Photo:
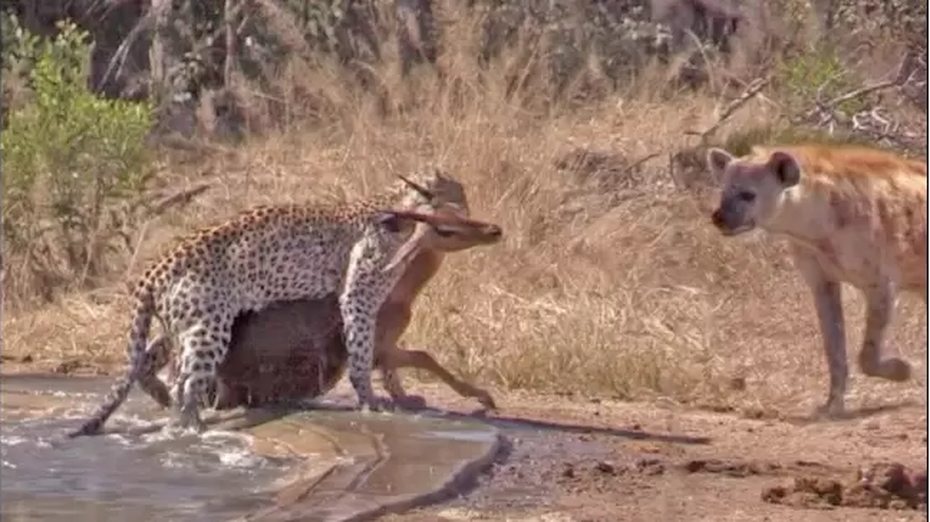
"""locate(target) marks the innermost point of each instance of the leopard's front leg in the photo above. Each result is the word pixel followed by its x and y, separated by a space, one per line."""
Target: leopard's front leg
pixel 365 289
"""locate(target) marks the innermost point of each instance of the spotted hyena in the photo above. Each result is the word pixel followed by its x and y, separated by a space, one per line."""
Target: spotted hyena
pixel 851 215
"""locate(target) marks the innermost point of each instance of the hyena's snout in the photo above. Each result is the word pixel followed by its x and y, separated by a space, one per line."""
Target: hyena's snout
pixel 729 220
pixel 719 218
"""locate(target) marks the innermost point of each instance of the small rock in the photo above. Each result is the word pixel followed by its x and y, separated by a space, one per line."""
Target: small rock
pixel 68 367
pixel 650 467
pixel 774 494
pixel 606 467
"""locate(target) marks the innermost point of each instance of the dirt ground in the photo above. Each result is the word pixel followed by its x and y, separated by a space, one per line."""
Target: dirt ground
pixel 571 459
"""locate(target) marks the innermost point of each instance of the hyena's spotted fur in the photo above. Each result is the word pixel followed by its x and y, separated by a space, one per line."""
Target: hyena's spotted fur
pixel 851 215
pixel 270 254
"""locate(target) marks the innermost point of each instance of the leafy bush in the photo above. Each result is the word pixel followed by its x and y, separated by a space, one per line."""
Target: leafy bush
pixel 73 164
pixel 818 73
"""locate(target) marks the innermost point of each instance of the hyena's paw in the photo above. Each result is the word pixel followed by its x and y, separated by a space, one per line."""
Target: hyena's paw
pixel 895 369
pixel 833 409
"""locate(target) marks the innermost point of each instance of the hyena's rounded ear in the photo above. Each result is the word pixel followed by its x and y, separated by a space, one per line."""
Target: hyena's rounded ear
pixel 785 167
pixel 717 161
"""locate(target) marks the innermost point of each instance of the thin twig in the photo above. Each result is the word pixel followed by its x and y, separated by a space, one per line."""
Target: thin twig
pixel 181 198
pixel 754 88
pixel 230 13
pixel 858 93
pixel 639 162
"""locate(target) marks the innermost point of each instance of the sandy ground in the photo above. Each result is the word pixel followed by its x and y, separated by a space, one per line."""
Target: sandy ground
pixel 588 460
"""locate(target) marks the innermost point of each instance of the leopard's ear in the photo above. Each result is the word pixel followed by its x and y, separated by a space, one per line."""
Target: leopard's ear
pixel 389 221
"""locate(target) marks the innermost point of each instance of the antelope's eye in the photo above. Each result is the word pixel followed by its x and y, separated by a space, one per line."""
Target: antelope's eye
pixel 444 233
pixel 747 196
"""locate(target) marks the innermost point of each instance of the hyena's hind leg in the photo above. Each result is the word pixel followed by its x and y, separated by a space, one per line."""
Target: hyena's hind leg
pixel 827 294
pixel 203 348
pixel 880 302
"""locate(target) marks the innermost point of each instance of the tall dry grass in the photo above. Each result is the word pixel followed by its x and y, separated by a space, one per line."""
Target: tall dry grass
pixel 610 281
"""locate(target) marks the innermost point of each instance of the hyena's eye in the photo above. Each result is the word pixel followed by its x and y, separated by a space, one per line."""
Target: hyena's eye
pixel 748 197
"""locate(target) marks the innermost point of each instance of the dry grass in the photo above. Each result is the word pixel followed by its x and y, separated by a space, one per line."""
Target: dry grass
pixel 629 294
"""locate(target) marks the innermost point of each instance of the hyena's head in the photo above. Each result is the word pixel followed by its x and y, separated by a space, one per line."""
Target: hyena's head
pixel 752 188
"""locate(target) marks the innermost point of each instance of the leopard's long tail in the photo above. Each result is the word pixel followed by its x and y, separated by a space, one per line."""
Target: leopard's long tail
pixel 138 336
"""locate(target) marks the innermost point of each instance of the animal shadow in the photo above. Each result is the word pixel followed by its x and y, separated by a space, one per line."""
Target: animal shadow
pixel 518 424
pixel 849 414
pixel 509 423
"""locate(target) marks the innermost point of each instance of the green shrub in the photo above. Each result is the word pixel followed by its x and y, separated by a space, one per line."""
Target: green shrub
pixel 817 73
pixel 72 164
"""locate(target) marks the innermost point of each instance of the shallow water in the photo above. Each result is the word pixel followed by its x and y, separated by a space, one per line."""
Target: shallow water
pixel 335 463
pixel 136 477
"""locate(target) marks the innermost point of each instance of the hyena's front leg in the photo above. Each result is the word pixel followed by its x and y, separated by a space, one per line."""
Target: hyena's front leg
pixel 827 295
pixel 880 302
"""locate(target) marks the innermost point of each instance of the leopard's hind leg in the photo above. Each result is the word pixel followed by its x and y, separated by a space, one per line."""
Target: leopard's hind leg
pixel 204 346
pixel 157 355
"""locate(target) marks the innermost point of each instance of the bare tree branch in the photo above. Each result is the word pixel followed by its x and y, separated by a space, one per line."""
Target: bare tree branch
pixel 229 14
pixel 754 88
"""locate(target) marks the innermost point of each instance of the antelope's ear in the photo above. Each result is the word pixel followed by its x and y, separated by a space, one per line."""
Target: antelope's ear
pixel 423 191
pixel 785 167
pixel 717 161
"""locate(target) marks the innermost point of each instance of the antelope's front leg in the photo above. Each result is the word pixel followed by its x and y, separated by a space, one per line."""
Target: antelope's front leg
pixel 392 322
pixel 880 302
pixel 400 358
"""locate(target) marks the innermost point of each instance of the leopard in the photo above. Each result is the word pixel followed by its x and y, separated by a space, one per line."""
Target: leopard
pixel 292 351
pixel 272 253
pixel 851 214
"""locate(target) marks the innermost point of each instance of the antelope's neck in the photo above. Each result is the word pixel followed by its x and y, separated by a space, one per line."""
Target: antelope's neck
pixel 423 267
